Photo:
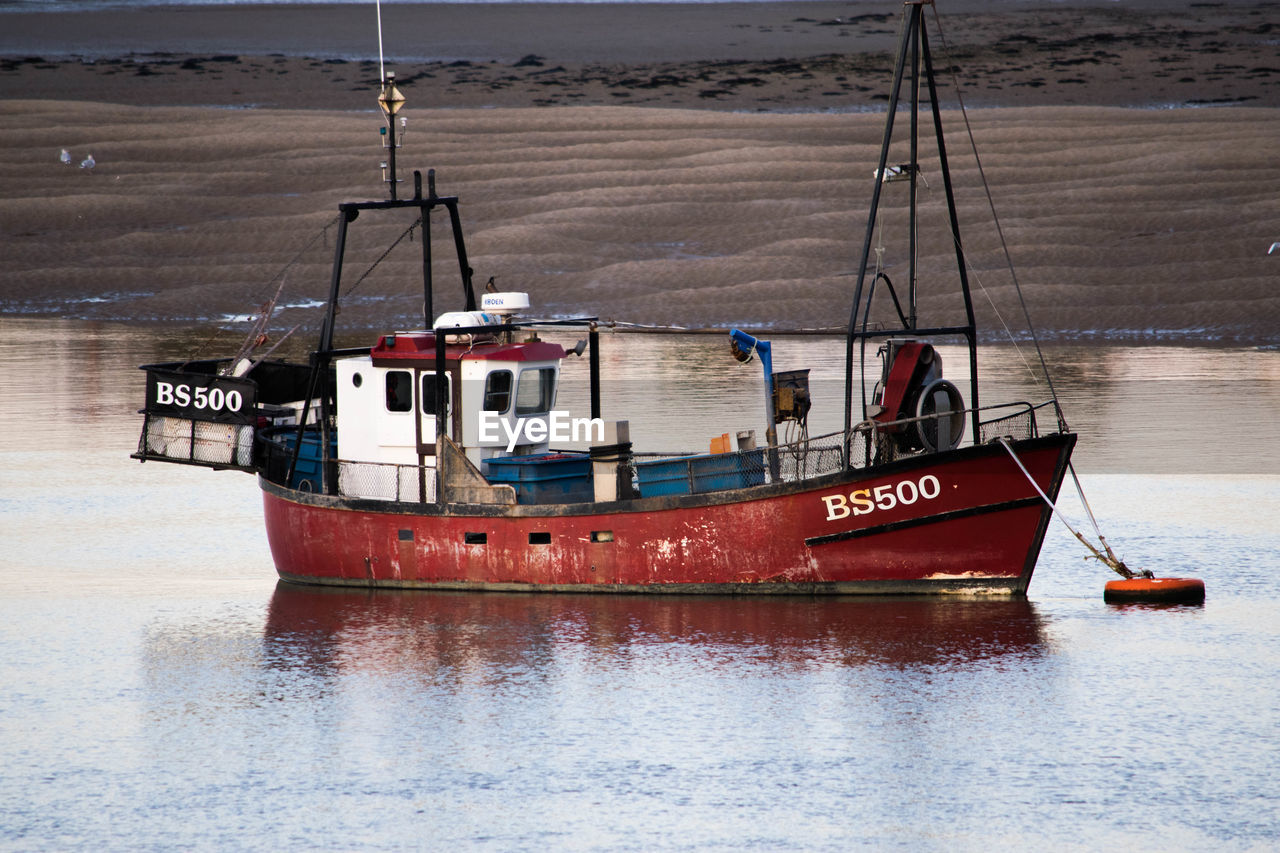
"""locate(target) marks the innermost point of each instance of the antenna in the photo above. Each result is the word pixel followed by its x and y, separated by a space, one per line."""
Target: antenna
pixel 390 100
pixel 382 71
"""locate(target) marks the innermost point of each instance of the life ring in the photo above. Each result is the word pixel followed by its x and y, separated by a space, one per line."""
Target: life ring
pixel 1155 590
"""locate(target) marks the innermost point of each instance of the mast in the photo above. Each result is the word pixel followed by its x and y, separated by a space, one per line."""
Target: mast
pixel 961 265
pixel 390 100
pixel 914 43
pixel 913 174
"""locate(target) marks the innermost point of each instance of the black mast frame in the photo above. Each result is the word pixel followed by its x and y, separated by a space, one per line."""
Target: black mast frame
pixel 319 387
pixel 914 44
pixel 322 357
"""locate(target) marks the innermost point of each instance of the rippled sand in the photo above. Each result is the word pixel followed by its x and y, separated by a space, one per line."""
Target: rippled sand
pixel 1116 219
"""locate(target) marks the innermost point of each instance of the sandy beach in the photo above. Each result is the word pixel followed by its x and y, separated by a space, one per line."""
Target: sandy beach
pixel 736 193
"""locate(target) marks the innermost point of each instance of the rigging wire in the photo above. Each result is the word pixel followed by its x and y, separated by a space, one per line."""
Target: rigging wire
pixel 408 232
pixel 321 234
pixel 1105 555
pixel 975 275
pixel 1004 246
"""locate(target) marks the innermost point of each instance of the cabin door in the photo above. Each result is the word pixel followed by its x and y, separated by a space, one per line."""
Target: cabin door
pixel 427 405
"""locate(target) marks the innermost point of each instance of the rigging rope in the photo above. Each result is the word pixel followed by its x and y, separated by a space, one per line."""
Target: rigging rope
pixel 1105 555
pixel 321 234
pixel 408 232
pixel 1004 246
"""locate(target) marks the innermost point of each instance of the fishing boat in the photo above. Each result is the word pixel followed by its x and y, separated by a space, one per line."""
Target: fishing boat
pixel 429 458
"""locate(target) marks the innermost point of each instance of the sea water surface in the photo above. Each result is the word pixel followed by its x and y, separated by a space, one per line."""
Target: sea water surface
pixel 162 691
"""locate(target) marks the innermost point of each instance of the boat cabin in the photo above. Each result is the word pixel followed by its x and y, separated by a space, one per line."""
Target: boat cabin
pixel 497 400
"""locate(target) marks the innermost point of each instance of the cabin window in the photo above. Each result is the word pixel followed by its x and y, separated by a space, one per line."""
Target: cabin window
pixel 497 391
pixel 399 391
pixel 428 396
pixel 536 392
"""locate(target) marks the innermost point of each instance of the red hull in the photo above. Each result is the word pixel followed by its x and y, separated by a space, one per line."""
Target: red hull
pixel 962 521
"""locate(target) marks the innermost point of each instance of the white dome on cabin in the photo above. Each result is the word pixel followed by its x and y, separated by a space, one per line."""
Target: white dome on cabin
pixel 510 302
pixel 465 319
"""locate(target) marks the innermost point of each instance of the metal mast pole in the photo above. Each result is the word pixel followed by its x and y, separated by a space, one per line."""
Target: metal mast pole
pixel 908 34
pixel 390 100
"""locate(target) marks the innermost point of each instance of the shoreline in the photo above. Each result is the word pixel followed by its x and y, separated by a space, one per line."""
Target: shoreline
pixel 1127 338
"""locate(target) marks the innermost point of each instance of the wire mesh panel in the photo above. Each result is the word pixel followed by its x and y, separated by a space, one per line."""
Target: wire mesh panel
pixel 373 480
pixel 692 474
pixel 184 440
pixel 384 481
pixel 1018 425
pixel 813 457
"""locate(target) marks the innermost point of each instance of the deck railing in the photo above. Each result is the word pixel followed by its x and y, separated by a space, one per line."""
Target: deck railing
pixel 870 442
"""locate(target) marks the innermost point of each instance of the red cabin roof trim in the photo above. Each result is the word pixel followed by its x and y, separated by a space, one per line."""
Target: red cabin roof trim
pixel 421 346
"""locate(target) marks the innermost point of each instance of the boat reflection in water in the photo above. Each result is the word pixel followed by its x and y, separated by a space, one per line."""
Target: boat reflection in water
pixel 321 628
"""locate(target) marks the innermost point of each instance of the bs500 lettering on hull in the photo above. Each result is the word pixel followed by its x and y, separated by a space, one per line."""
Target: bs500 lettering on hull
pixel 213 399
pixel 201 397
pixel 883 497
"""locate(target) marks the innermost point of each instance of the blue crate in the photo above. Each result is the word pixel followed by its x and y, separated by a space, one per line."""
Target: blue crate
pixel 714 472
pixel 306 473
pixel 545 478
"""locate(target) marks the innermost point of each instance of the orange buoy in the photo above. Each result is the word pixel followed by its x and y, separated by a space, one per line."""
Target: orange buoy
pixel 1155 590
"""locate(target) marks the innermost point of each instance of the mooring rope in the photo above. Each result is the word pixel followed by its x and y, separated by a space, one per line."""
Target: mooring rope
pixel 1105 556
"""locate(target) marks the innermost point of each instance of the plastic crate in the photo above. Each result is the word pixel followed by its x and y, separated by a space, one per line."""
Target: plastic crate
pixel 544 478
pixel 713 472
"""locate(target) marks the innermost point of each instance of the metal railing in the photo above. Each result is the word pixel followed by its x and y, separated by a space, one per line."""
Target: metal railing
pixel 653 474
pixel 869 443
pixel 374 480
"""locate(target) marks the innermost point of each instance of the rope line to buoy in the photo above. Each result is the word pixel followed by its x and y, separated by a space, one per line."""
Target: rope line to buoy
pixel 1092 520
pixel 1107 556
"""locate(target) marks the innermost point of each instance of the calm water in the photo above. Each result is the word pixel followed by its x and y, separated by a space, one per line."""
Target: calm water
pixel 161 691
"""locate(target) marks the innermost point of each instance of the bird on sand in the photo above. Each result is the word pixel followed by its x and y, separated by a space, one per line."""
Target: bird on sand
pixel 65 157
pixel 88 163
pixel 1274 246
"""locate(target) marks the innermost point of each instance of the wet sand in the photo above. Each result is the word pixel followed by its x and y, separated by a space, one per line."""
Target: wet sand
pixel 737 196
